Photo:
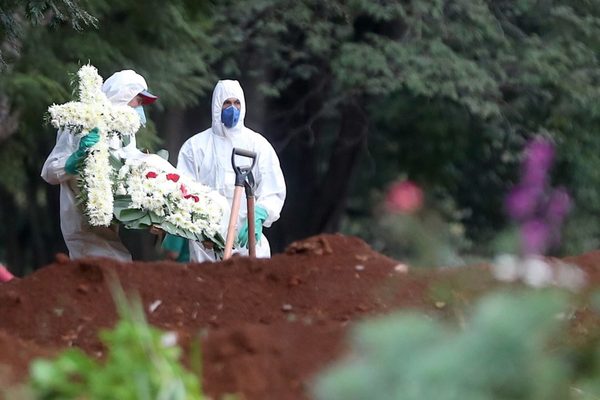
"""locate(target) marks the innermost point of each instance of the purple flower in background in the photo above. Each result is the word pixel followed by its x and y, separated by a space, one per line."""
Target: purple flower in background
pixel 535 235
pixel 559 205
pixel 533 204
pixel 539 155
pixel 522 202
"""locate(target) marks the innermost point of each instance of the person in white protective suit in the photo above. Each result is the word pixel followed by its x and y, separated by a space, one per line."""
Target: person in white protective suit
pixel 122 88
pixel 206 157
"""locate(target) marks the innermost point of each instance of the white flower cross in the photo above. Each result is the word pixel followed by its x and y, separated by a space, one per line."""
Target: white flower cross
pixel 94 110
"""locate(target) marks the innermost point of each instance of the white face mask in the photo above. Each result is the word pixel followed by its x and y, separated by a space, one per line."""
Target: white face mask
pixel 141 114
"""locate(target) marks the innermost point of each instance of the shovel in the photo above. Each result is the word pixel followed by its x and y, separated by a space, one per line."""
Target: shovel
pixel 243 180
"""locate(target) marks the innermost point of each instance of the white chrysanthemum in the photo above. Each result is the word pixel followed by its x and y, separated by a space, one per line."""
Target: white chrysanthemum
pixel 123 172
pixel 123 119
pixel 90 85
pixel 176 219
pixel 121 190
pixel 190 206
pixel 94 109
pixel 98 184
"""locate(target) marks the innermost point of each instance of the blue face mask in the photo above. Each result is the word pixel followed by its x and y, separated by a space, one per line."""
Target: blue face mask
pixel 230 116
pixel 140 111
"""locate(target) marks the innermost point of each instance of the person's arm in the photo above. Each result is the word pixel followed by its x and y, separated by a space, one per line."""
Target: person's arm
pixel 130 150
pixel 187 160
pixel 270 192
pixel 53 170
pixel 270 184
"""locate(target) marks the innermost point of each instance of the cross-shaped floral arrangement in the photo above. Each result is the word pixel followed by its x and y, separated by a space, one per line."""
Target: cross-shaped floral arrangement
pixel 94 110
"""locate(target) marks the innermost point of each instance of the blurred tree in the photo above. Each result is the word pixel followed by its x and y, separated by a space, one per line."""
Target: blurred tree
pixel 444 91
pixel 15 15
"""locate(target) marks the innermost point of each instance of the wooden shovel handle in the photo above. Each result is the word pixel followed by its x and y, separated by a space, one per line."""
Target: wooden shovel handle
pixel 235 210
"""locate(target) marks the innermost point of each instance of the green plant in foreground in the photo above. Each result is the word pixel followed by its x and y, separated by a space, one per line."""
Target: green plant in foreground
pixel 142 363
pixel 509 350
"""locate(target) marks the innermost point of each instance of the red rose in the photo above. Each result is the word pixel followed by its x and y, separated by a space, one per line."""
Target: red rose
pixel 184 191
pixel 151 175
pixel 173 177
pixel 192 196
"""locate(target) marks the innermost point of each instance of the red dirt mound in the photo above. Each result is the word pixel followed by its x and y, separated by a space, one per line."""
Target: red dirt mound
pixel 266 325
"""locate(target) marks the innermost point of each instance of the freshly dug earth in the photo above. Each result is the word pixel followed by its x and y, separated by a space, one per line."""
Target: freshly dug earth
pixel 266 326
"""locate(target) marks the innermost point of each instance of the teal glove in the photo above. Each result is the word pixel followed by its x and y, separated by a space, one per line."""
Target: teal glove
pixel 260 216
pixel 85 143
pixel 176 248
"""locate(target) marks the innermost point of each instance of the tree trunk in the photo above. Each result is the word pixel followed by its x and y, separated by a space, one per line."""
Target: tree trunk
pixel 330 202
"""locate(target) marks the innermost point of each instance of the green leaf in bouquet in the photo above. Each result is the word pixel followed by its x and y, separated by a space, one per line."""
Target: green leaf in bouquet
pixel 155 219
pixel 218 245
pixel 140 223
pixel 174 230
pixel 168 227
pixel 121 202
pixel 130 215
pixel 218 240
pixel 115 162
pixel 183 233
pixel 163 153
pixel 145 221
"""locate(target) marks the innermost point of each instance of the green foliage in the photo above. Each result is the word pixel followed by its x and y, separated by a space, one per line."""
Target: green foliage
pixel 509 349
pixel 44 12
pixel 140 364
pixel 529 69
pixel 424 240
pixel 450 89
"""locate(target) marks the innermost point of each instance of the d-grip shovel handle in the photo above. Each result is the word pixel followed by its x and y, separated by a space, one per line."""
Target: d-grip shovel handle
pixel 242 172
pixel 241 175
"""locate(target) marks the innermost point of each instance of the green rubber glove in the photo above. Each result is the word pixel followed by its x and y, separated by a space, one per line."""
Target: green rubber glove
pixel 260 216
pixel 85 143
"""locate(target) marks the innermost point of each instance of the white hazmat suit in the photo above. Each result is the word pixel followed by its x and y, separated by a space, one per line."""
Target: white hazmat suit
pixel 206 157
pixel 81 239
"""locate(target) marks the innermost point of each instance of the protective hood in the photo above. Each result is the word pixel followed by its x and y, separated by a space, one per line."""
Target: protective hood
pixel 123 86
pixel 224 90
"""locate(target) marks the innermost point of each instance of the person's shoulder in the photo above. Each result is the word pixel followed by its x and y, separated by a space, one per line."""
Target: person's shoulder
pixel 259 138
pixel 197 138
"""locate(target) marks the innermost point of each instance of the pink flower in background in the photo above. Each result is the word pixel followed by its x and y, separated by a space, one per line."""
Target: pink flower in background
pixel 404 197
pixel 5 274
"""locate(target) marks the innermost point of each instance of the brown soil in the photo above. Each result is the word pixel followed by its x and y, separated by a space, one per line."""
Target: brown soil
pixel 267 326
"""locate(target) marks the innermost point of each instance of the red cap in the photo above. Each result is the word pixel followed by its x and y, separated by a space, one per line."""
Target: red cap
pixel 147 97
